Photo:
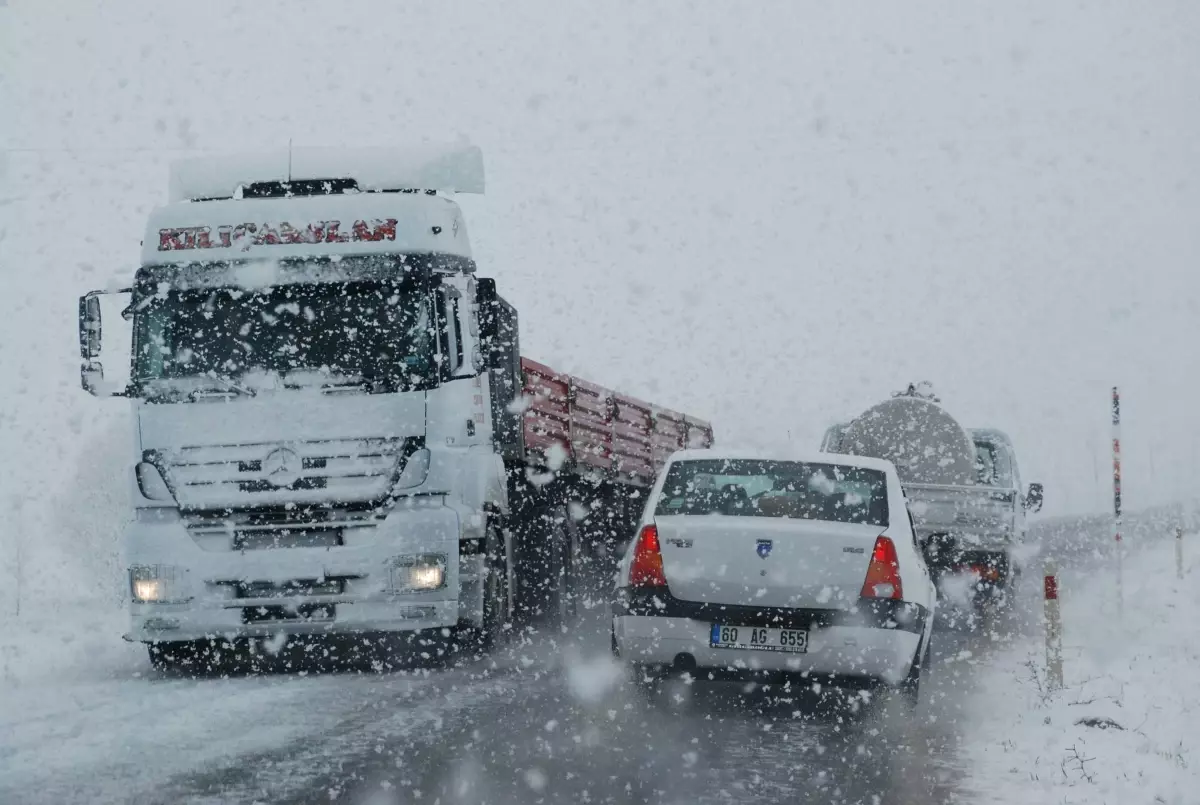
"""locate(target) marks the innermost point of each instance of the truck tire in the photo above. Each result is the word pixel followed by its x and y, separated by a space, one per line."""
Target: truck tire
pixel 560 606
pixel 496 610
pixel 172 658
pixel 193 657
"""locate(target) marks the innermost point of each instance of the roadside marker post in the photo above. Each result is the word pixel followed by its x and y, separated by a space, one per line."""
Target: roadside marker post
pixel 1116 448
pixel 1054 664
pixel 1179 552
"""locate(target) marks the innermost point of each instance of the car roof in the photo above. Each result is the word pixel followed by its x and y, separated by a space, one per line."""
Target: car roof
pixel 807 456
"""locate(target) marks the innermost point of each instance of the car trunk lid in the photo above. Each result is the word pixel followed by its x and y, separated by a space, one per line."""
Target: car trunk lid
pixel 765 561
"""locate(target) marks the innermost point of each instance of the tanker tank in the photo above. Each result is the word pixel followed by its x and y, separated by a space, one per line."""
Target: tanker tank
pixel 926 444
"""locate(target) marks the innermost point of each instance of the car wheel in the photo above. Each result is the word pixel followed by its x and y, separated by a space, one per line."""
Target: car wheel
pixel 646 684
pixel 910 688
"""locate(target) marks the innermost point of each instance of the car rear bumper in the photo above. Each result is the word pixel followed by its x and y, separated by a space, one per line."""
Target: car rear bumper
pixel 875 642
pixel 858 652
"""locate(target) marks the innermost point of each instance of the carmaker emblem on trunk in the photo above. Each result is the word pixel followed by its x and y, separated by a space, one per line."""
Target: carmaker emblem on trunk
pixel 763 546
pixel 281 467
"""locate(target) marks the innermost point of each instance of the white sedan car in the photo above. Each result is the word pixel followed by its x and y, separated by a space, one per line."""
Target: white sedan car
pixel 771 568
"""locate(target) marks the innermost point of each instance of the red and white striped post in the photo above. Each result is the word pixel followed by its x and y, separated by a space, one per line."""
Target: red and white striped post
pixel 1054 665
pixel 1116 442
pixel 1179 552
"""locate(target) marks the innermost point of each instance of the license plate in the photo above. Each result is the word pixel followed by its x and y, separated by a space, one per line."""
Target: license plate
pixel 760 638
pixel 294 538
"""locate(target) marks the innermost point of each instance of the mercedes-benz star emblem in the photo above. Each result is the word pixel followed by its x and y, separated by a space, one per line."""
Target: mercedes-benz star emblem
pixel 281 467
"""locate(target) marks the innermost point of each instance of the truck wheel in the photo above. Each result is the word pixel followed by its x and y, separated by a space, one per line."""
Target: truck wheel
pixel 176 658
pixel 496 613
pixel 562 583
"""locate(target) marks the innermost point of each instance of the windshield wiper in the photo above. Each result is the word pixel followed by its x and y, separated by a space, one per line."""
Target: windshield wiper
pixel 226 386
pixel 345 386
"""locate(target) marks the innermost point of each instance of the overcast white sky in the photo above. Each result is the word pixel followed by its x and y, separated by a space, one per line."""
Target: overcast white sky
pixel 769 214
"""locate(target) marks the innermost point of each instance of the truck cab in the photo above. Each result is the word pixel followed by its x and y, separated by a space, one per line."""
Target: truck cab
pixel 996 465
pixel 313 409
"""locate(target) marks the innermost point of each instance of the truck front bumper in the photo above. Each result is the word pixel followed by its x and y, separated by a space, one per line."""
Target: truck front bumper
pixel 227 594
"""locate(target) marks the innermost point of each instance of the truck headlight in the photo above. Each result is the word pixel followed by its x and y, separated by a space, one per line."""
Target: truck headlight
pixel 157 584
pixel 415 574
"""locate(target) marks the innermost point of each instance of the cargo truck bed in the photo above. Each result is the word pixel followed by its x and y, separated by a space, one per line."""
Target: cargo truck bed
pixel 578 426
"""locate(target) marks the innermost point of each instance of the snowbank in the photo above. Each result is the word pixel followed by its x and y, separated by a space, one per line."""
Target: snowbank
pixel 1126 728
pixel 70 554
pixel 50 648
pixel 63 612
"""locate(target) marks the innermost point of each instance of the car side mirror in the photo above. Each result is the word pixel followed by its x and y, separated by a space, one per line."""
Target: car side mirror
pixel 1033 500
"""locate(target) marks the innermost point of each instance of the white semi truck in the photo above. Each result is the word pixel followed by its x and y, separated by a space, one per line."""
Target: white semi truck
pixel 335 434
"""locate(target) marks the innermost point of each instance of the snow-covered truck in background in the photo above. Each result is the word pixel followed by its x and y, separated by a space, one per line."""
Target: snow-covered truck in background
pixel 335 432
pixel 963 486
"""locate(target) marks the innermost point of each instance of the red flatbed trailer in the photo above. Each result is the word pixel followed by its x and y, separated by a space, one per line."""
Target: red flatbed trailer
pixel 599 430
pixel 588 454
pixel 579 460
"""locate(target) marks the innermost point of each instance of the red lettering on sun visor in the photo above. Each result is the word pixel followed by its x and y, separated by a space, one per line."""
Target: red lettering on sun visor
pixel 186 237
pixel 246 235
pixel 380 230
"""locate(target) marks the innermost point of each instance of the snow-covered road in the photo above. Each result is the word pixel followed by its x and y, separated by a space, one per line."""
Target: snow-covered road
pixel 552 717
pixel 548 720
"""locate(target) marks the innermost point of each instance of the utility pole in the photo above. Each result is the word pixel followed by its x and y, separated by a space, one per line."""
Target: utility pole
pixel 1116 447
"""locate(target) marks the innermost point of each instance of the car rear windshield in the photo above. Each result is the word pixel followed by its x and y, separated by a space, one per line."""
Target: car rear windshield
pixel 758 488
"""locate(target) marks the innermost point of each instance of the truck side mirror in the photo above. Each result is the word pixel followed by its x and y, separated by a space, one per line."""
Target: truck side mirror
pixel 89 326
pixel 91 377
pixel 91 345
pixel 1033 500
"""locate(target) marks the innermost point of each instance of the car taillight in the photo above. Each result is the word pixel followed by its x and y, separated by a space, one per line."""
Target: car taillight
pixel 646 570
pixel 883 574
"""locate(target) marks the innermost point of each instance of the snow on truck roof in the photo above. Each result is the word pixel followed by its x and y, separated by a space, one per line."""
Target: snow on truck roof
pixel 315 202
pixel 450 168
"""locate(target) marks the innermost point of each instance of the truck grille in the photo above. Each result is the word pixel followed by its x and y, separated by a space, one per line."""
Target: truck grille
pixel 285 601
pixel 252 475
pixel 303 613
pixel 276 527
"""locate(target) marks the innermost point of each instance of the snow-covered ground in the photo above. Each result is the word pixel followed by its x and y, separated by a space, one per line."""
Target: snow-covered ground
pixel 48 646
pixel 84 718
pixel 1126 727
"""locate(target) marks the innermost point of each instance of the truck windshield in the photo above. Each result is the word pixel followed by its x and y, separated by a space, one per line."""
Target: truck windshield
pixel 758 488
pixel 373 333
pixel 992 465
